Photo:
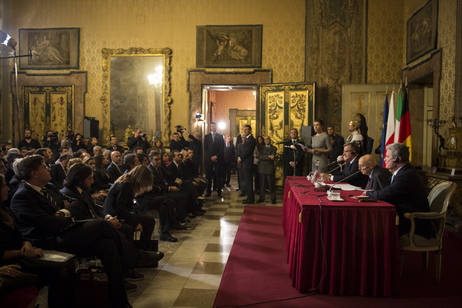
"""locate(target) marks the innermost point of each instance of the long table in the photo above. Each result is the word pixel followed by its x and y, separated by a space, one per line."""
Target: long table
pixel 339 248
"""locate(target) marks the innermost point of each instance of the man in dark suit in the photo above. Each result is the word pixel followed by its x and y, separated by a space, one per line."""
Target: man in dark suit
pixel 229 155
pixel 293 155
pixel 213 159
pixel 58 171
pixel 350 172
pixel 196 146
pixel 379 177
pixel 114 146
pixel 28 142
pixel 406 190
pixel 115 168
pixel 266 169
pixel 44 221
pixel 246 160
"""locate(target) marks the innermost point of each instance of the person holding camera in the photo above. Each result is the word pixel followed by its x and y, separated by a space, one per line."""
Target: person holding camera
pixel 139 139
pixel 178 142
pixel 51 141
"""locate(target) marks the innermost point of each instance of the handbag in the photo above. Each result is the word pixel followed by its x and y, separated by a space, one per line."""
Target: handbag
pixel 91 289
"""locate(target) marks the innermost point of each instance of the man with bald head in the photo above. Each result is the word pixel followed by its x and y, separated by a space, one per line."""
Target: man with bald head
pixel 115 168
pixel 379 177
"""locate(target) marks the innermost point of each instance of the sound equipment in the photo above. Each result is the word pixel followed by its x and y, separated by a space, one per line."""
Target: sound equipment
pixel 90 127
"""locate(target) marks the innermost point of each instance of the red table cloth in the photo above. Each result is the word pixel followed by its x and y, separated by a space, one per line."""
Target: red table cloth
pixel 339 248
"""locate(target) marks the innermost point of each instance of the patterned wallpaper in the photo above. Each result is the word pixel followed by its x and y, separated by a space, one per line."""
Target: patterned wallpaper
pixel 385 41
pixel 166 23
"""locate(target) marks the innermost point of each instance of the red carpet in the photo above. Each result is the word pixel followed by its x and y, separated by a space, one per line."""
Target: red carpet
pixel 257 272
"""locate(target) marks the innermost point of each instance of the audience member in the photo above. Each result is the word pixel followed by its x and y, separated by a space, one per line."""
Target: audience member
pixel 115 168
pixel 58 171
pixel 114 146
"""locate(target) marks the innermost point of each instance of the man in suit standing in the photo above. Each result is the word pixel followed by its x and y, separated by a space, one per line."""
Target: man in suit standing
pixel 228 157
pixel 379 177
pixel 246 160
pixel 266 170
pixel 115 169
pixel 114 146
pixel 213 148
pixel 44 221
pixel 406 190
pixel 350 172
pixel 293 155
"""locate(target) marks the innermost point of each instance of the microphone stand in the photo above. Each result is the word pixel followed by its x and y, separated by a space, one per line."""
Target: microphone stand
pixel 295 159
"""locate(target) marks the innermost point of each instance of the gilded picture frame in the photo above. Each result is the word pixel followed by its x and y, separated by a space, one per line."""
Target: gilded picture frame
pixel 50 48
pixel 238 46
pixel 422 31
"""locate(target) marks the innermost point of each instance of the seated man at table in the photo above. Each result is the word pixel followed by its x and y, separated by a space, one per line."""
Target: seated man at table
pixel 406 190
pixel 379 177
pixel 350 173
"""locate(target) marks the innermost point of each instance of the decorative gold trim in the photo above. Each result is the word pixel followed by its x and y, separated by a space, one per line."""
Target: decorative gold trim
pixel 105 97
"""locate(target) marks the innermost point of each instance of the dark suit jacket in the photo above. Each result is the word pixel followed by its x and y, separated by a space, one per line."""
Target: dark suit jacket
pixel 33 144
pixel 288 156
pixel 114 172
pixel 213 148
pixel 119 202
pixel 380 178
pixel 118 148
pixel 246 152
pixel 265 164
pixel 350 168
pixel 36 215
pixel 58 175
pixel 81 209
pixel 229 153
pixel 407 192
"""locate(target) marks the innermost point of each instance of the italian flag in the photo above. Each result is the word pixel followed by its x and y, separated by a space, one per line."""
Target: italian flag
pixel 403 121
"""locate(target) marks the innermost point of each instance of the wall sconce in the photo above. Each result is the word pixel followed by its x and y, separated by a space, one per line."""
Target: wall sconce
pixel 199 117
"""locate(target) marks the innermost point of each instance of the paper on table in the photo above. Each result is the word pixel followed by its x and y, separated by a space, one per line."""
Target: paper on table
pixel 56 256
pixel 344 186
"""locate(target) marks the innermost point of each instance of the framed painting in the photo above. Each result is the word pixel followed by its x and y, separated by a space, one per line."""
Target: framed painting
pixel 421 31
pixel 229 46
pixel 50 49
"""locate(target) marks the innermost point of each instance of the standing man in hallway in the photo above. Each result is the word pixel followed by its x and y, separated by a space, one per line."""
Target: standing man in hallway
pixel 246 160
pixel 213 148
pixel 229 157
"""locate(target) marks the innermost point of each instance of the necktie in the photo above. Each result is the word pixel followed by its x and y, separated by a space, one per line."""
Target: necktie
pixel 49 198
pixel 392 178
pixel 114 148
pixel 213 137
pixel 369 184
pixel 90 204
pixel 227 144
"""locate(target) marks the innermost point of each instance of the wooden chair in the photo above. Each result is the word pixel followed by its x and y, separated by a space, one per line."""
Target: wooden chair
pixel 438 199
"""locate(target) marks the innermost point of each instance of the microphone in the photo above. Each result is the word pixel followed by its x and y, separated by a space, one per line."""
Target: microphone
pixel 291 147
pixel 339 166
pixel 347 177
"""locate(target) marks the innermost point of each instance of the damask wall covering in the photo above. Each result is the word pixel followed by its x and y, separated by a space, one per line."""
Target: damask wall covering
pixel 166 23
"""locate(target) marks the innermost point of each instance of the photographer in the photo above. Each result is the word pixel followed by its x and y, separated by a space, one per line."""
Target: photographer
pixel 178 142
pixel 51 141
pixel 78 143
pixel 139 139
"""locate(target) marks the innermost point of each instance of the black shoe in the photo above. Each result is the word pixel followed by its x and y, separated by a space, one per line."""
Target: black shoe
pixel 179 226
pixel 202 211
pixel 133 275
pixel 190 215
pixel 227 185
pixel 220 195
pixel 260 201
pixel 148 259
pixel 166 237
pixel 248 202
pixel 237 189
pixel 129 287
pixel 199 214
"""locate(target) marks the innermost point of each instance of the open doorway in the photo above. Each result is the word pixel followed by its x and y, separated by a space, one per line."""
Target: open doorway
pixel 230 106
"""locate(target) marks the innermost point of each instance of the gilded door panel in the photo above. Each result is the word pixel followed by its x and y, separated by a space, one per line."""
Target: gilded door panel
pixel 282 107
pixel 49 108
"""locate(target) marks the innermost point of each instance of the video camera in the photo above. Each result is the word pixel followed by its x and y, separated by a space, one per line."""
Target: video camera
pixel 180 129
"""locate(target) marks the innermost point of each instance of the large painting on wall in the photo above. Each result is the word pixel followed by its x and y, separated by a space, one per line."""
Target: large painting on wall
pixel 50 49
pixel 421 31
pixel 229 46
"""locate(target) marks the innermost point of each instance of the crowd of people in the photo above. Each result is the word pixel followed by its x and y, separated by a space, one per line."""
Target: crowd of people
pixel 79 197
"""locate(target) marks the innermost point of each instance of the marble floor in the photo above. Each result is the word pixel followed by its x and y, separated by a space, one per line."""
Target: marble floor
pixel 190 273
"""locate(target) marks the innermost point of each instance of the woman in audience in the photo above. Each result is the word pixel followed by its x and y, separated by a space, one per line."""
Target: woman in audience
pixel 101 176
pixel 18 255
pixel 119 201
pixel 158 145
pixel 143 159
